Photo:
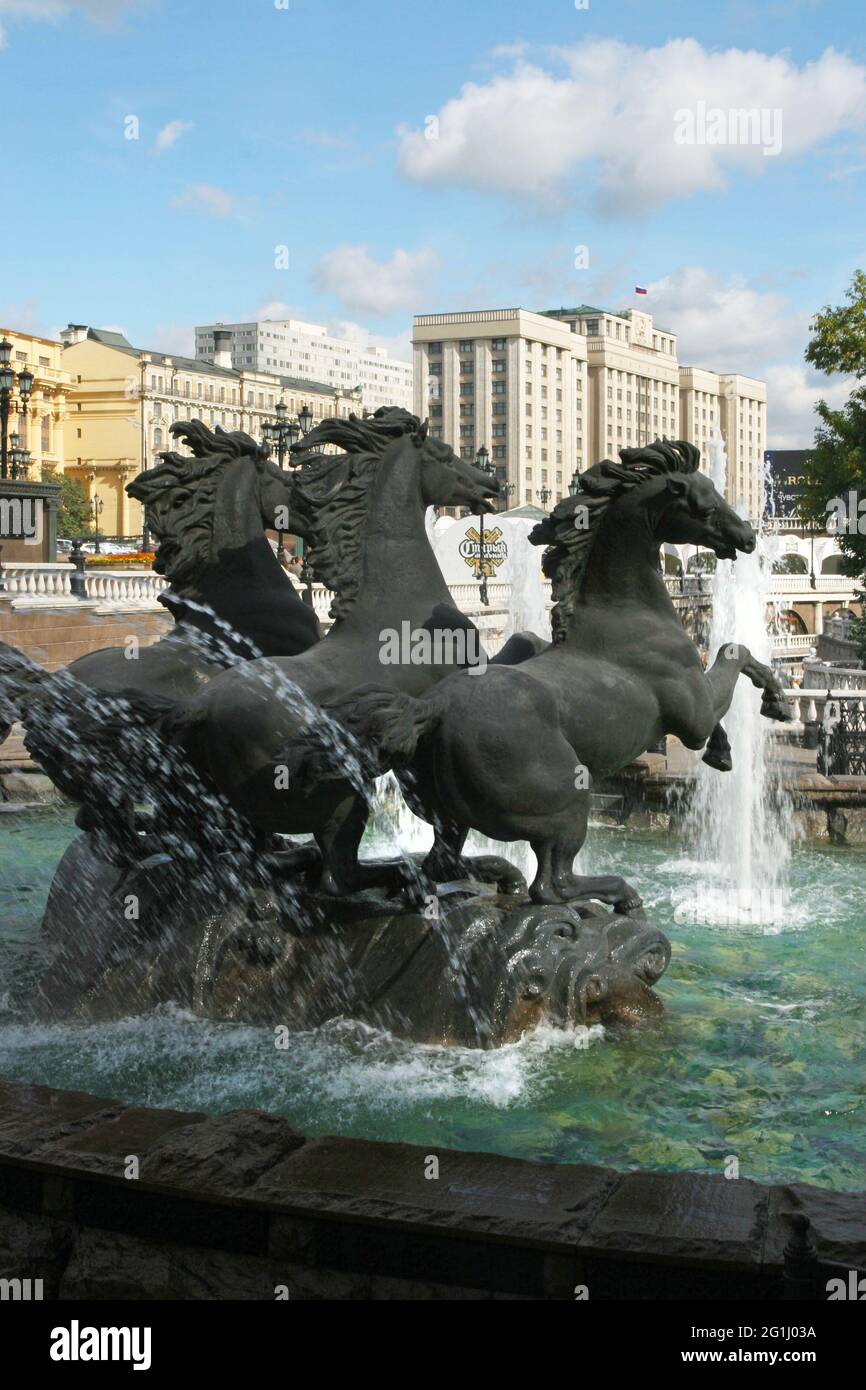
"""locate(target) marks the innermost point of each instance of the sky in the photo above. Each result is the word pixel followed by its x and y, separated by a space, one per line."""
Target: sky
pixel 174 162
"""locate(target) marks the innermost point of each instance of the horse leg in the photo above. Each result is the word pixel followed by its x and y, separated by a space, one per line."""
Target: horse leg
pixel 338 841
pixel 717 753
pixel 605 888
pixel 734 660
pixel 445 861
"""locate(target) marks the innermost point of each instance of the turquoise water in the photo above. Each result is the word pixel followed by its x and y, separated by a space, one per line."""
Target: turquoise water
pixel 760 1056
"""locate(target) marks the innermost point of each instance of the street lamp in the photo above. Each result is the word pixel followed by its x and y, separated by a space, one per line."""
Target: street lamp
pixel 574 485
pixel 305 419
pixel 506 490
pixel 19 457
pixel 482 461
pixel 8 380
pixel 544 495
pixel 96 506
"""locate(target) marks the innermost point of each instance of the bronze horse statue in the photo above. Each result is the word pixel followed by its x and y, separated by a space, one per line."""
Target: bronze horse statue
pixel 244 731
pixel 229 595
pixel 513 752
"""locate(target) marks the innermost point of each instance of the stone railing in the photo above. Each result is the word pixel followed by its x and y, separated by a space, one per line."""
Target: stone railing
pixel 807 706
pixel 816 675
pixel 41 583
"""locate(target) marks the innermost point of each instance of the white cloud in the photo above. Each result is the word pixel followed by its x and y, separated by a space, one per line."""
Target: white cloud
pixel 170 134
pixel 207 198
pixel 177 339
pixel 99 11
pixel 722 322
pixel 611 117
pixel 376 287
pixel 397 345
pixel 792 392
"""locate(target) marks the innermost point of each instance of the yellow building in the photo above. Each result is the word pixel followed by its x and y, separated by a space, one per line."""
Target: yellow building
pixel 123 401
pixel 41 428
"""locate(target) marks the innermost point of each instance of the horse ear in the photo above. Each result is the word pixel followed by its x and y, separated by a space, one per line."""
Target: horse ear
pixel 422 434
pixel 677 485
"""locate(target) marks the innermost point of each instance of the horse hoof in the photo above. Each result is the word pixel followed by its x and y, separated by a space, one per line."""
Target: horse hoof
pixel 721 761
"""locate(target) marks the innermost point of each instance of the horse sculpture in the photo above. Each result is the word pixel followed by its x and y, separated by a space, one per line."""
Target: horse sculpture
pixel 229 594
pixel 244 733
pixel 513 752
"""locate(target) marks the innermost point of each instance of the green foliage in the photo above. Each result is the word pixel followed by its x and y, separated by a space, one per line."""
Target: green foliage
pixel 836 465
pixel 74 520
pixel 838 341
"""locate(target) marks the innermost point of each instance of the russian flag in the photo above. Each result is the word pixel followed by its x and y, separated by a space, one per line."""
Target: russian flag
pixel 639 289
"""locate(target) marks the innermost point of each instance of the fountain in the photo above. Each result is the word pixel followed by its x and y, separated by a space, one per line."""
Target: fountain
pixel 195 883
pixel 739 823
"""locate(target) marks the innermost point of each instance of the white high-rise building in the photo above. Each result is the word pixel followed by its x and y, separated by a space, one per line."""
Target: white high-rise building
pixel 292 348
pixel 551 393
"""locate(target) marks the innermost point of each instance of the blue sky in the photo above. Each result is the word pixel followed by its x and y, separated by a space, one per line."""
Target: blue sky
pixel 304 127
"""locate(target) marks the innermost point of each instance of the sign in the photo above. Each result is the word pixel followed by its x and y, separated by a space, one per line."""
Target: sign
pixel 494 554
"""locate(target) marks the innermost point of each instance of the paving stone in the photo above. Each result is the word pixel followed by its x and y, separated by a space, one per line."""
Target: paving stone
pixel 110 1265
pixel 481 1193
pixel 706 1220
pixel 105 1146
pixel 32 1117
pixel 838 1222
pixel 224 1154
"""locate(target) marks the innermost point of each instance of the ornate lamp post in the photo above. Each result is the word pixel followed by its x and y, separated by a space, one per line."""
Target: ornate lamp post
pixel 574 485
pixel 19 457
pixel 283 434
pixel 96 506
pixel 544 495
pixel 8 379
pixel 482 461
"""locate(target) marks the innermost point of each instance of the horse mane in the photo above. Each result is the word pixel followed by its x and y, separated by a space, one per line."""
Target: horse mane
pixel 568 545
pixel 180 495
pixel 331 492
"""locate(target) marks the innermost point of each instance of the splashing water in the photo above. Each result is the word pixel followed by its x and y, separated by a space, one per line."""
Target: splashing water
pixel 737 820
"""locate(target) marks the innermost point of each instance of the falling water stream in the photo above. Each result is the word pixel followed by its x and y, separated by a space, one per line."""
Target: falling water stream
pixel 737 820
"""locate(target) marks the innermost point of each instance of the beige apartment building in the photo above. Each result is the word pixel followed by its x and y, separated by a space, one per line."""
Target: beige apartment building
pixel 513 381
pixel 486 378
pixel 123 401
pixel 41 428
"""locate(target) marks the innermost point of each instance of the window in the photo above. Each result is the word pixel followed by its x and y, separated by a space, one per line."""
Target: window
pixel 498 364
pixel 467 388
pixel 498 388
pixel 467 367
pixel 434 348
pixel 498 344
pixel 46 434
pixel 466 345
pixel 499 451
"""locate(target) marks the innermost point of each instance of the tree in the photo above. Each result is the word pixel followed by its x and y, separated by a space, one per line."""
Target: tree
pixel 835 473
pixel 74 520
pixel 838 341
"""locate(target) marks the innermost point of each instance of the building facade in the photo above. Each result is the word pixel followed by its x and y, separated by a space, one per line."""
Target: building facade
pixel 513 381
pixel 616 384
pixel 306 350
pixel 123 401
pixel 41 427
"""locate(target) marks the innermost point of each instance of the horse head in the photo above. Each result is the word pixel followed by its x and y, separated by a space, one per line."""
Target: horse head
pixel 218 497
pixel 449 481
pixel 695 513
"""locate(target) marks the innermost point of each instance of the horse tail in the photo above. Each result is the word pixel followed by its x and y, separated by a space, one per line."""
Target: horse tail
pixel 363 733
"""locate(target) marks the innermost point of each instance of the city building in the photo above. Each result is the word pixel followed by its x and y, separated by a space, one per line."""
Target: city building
pixel 485 378
pixel 40 429
pixel 307 351
pixel 513 381
pixel 123 401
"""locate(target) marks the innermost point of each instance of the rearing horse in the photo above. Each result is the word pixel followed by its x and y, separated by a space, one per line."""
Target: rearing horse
pixel 512 752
